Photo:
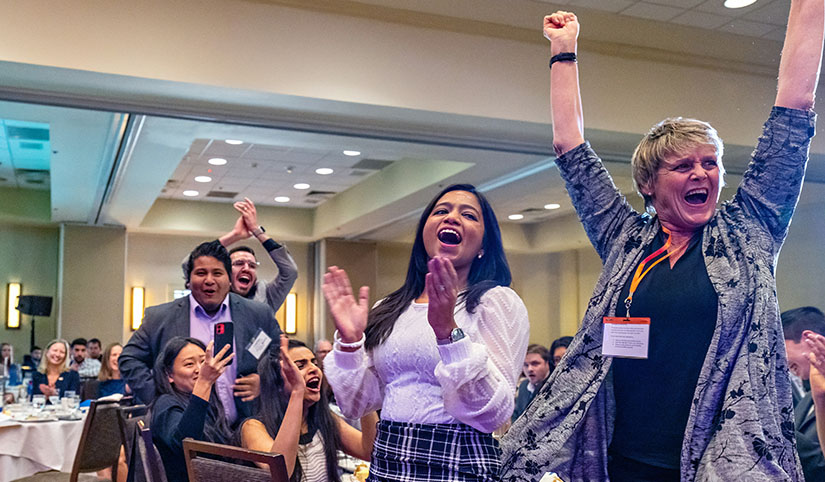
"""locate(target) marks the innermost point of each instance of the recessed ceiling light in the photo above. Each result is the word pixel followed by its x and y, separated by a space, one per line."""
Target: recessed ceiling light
pixel 324 171
pixel 738 3
pixel 515 217
pixel 234 142
pixel 217 161
pixel 190 193
pixel 301 185
pixel 552 206
pixel 203 179
pixel 352 153
pixel 282 199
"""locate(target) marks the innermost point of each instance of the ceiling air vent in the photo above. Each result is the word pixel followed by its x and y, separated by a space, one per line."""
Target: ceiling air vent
pixel 31 146
pixel 27 133
pixel 222 194
pixel 32 176
pixel 371 164
pixel 359 173
pixel 320 194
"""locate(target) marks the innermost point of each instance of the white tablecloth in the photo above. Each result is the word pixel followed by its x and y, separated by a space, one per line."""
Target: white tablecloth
pixel 31 447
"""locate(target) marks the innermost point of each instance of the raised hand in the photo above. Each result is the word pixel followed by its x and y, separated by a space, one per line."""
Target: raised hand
pixel 248 213
pixel 213 367
pixel 441 285
pixel 350 315
pixel 562 30
pixel 294 383
pixel 816 343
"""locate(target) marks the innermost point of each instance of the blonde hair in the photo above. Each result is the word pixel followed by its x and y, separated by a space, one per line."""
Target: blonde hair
pixel 105 371
pixel 674 135
pixel 44 358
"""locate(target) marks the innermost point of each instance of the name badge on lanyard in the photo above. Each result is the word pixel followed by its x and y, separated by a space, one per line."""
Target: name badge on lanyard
pixel 627 336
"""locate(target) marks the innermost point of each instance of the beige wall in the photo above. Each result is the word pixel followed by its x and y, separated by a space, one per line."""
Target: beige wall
pixel 93 267
pixel 28 255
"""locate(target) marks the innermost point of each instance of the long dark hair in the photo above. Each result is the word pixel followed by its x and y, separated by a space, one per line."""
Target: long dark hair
pixel 273 406
pixel 489 271
pixel 216 428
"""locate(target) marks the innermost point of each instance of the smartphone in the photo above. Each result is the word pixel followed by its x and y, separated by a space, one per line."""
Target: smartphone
pixel 224 335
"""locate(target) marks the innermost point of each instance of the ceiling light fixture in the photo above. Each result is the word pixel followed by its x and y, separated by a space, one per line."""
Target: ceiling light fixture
pixel 552 206
pixel 515 217
pixel 234 142
pixel 190 193
pixel 301 185
pixel 217 161
pixel 324 171
pixel 282 199
pixel 203 179
pixel 738 3
pixel 352 153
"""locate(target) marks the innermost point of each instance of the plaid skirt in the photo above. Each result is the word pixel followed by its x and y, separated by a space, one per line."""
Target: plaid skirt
pixel 415 452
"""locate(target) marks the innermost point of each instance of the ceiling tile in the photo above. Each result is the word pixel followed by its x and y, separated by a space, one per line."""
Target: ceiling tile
pixel 745 27
pixel 706 20
pixel 718 7
pixel 605 5
pixel 652 12
pixel 777 34
pixel 677 3
pixel 775 12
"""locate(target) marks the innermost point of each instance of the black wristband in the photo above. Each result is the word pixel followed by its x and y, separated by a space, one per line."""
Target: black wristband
pixel 563 57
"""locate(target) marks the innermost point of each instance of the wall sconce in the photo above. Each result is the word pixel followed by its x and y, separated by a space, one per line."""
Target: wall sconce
pixel 290 305
pixel 138 303
pixel 13 291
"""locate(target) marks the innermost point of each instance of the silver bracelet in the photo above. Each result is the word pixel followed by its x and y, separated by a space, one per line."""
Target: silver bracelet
pixel 355 345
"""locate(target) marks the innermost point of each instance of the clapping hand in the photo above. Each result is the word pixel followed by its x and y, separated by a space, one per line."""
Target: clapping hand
pixel 350 315
pixel 294 383
pixel 248 214
pixel 441 286
pixel 816 356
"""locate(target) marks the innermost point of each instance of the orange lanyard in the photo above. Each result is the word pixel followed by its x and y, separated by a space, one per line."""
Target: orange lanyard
pixel 641 272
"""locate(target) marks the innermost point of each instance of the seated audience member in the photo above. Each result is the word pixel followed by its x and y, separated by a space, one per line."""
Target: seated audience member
pixel 10 369
pixel 93 350
pixel 322 349
pixel 53 376
pixel 207 274
pixel 110 380
pixel 187 405
pixel 295 419
pixel 32 360
pixel 537 368
pixel 244 274
pixel 801 325
pixel 85 367
pixel 559 348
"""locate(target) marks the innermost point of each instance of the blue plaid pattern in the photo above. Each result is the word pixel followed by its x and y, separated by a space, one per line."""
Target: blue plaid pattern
pixel 415 452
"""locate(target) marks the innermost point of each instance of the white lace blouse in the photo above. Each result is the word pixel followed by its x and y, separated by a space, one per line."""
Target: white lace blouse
pixel 412 379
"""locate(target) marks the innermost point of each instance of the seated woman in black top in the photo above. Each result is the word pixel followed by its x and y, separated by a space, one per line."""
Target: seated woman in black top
pixel 185 374
pixel 53 376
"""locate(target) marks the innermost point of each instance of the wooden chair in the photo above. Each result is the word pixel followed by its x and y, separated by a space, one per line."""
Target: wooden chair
pixel 153 470
pixel 129 419
pixel 210 469
pixel 99 446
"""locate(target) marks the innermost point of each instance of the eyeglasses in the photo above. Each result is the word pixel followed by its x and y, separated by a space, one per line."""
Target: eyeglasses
pixel 241 263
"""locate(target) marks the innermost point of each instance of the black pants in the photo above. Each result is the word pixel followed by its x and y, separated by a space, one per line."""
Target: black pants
pixel 623 469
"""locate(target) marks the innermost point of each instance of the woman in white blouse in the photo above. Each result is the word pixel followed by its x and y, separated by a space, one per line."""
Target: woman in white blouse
pixel 440 356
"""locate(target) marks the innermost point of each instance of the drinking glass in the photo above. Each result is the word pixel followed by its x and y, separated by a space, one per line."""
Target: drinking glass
pixel 74 402
pixel 54 400
pixel 38 402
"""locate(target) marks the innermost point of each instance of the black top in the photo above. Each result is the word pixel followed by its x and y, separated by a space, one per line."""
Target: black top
pixel 173 421
pixel 654 396
pixel 68 381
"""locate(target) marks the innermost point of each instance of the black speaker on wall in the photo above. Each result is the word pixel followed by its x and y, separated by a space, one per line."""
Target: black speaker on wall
pixel 35 305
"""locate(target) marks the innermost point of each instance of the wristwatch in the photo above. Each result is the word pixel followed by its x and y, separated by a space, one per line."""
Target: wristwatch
pixel 259 231
pixel 455 335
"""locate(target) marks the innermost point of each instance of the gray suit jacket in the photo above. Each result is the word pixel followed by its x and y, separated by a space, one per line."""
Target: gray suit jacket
pixel 163 322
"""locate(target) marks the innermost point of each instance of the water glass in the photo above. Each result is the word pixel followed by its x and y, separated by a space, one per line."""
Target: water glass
pixel 54 400
pixel 38 402
pixel 74 402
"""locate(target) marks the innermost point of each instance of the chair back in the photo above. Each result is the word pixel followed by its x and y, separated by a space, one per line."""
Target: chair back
pixel 99 446
pixel 212 469
pixel 88 388
pixel 128 420
pixel 153 470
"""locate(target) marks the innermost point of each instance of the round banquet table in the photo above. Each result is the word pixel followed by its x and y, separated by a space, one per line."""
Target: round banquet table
pixel 30 447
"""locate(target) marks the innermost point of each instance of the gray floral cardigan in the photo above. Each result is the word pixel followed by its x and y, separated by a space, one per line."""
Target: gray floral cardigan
pixel 741 422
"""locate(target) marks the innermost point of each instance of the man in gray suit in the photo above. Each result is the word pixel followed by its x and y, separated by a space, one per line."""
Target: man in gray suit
pixel 207 273
pixel 796 324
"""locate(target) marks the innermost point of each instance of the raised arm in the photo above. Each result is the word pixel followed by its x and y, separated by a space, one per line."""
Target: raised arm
pixel 801 55
pixel 562 29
